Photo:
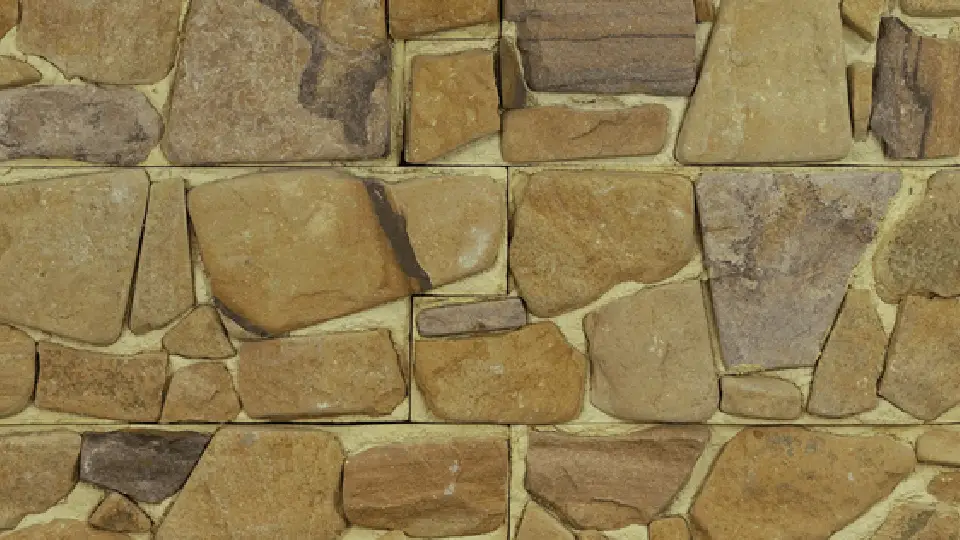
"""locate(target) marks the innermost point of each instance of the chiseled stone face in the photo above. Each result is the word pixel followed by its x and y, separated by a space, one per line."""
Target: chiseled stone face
pixel 412 18
pixel 18 367
pixel 36 471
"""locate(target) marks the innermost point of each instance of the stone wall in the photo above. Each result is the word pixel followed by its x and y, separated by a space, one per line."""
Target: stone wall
pixel 622 269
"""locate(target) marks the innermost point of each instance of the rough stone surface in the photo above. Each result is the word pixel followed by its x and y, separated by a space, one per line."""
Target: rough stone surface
pixel 761 397
pixel 453 101
pixel 578 233
pixel 472 317
pixel 326 375
pixel 863 16
pixel 563 133
pixel 147 466
pixel 18 364
pixel 914 521
pixel 916 110
pixel 119 514
pixel 939 446
pixel 832 480
pixel 527 376
pixel 764 94
pixel 63 529
pixel 216 503
pixel 132 42
pixel 14 73
pixel 199 335
pixel 611 482
pixel 69 247
pixel 36 471
pixel 860 81
pixel 706 10
pixel 164 287
pixel 9 13
pixel 513 87
pixel 921 254
pixel 412 18
pixel 922 375
pixel 618 46
pixel 101 385
pixel 282 81
pixel 117 126
pixel 537 524
pixel 455 488
pixel 780 248
pixel 671 528
pixel 931 8
pixel 201 393
pixel 845 381
pixel 650 356
pixel 946 487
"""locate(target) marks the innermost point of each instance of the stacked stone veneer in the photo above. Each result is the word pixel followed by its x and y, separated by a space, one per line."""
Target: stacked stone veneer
pixel 610 270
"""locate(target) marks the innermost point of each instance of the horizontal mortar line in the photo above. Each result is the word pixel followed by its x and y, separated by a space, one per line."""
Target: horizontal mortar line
pixel 543 165
pixel 472 424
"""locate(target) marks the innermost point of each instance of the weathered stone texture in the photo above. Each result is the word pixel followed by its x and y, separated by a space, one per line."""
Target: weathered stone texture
pixel 199 335
pixel 761 397
pixel 412 18
pixel 63 529
pixel 578 233
pixel 14 73
pixel 780 248
pixel 931 8
pixel 794 483
pixel 472 317
pixel 863 16
pixel 562 133
pixel 36 471
pixel 513 87
pixel 764 94
pixel 537 524
pixel 860 88
pixel 914 521
pixel 527 376
pixel 946 487
pixel 614 481
pixel 18 367
pixel 939 446
pixel 280 81
pixel 117 513
pixel 650 356
pixel 457 488
pixel 671 528
pixel 201 393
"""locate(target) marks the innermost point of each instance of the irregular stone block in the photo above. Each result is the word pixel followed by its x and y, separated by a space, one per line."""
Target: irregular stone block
pixel 527 376
pixel 670 528
pixel 617 46
pixel 117 513
pixel 863 16
pixel 558 133
pixel 537 524
pixel 289 81
pixel 296 473
pixel 939 446
pixel 613 481
pixel 201 393
pixel 60 529
pixel 651 358
pixel 9 13
pixel 412 18
pixel 780 248
pixel 513 87
pixel 472 317
pixel 832 480
pixel 18 364
pixel 456 488
pixel 199 335
pixel 764 95
pixel 946 487
pixel 860 81
pixel 36 471
pixel 578 233
pixel 132 42
pixel 761 397
pixel 914 521
pixel 931 8
pixel 14 73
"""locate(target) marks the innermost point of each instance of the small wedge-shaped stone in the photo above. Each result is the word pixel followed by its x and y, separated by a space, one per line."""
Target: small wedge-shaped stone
pixel 563 133
pixel 764 95
pixel 528 376
pixel 513 87
pixel 412 18
pixel 85 123
pixel 610 482
pixel 101 385
pixel 863 16
pixel 780 248
pixel 147 466
pixel 296 476
pixel 761 397
pixel 931 8
pixel 472 317
pixel 63 529
pixel 788 482
pixel 845 381
pixel 164 287
pixel 36 471
pixel 18 370
pixel 578 233
pixel 860 82
pixel 939 446
pixel 915 521
pixel 119 514
pixel 199 335
pixel 14 73
pixel 317 376
pixel 68 248
pixel 651 358
pixel 201 393
pixel 537 524
pixel 456 488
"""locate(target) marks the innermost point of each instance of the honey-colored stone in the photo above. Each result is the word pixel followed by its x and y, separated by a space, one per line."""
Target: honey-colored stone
pixel 914 521
pixel 201 393
pixel 863 16
pixel 36 471
pixel 537 524
pixel 706 10
pixel 513 87
pixel 761 397
pixel 117 513
pixel 9 13
pixel 931 8
pixel 860 81
pixel 946 487
pixel 199 335
pixel 670 528
pixel 18 370
pixel 14 72
pixel 63 529
pixel 939 446
pixel 412 18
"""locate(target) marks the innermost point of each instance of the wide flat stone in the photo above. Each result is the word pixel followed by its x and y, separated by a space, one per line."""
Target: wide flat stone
pixel 281 81
pixel 651 358
pixel 860 82
pixel 669 528
pixel 36 471
pixel 201 393
pixel 761 397
pixel 472 317
pixel 939 446
pixel 454 488
pixel 922 375
pixel 845 381
pixel 527 376
pixel 453 101
pixel 62 529
pixel 128 387
pixel 916 521
pixel 790 482
pixel 412 18
pixel 576 234
pixel 296 476
pixel 617 46
pixel 916 106
pixel 199 335
pixel 921 255
pixel 317 376
pixel 863 16
pixel 537 524
pixel 14 72
pixel 131 42
pixel 609 482
pixel 764 95
pixel 946 487
pixel 931 8
pixel 18 366
pixel 147 466
pixel 117 513
pixel 780 248
pixel 513 87
pixel 556 133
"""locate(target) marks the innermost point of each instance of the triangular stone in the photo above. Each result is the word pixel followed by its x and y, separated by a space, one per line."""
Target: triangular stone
pixel 119 514
pixel 199 335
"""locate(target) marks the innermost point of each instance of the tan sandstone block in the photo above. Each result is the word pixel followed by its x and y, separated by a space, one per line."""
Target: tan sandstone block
pixel 939 446
pixel 412 18
pixel 537 524
pixel 863 16
pixel 757 396
pixel 201 393
pixel 14 73
pixel 199 335
pixel 671 528
pixel 36 471
pixel 18 367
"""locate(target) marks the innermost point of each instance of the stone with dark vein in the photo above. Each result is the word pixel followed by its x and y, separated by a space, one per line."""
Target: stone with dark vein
pixel 36 471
